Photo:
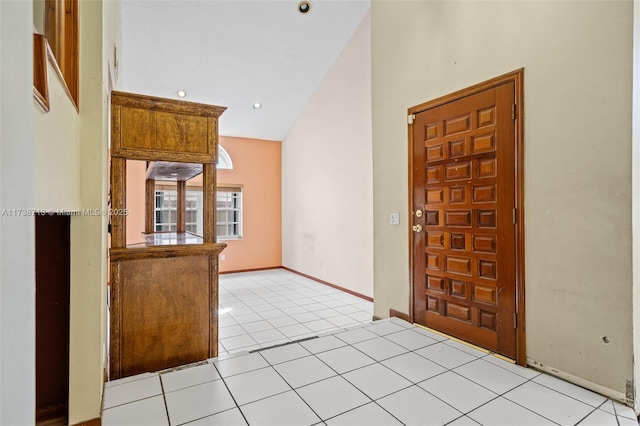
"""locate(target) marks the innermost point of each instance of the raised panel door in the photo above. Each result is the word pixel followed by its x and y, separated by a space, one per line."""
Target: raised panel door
pixel 464 182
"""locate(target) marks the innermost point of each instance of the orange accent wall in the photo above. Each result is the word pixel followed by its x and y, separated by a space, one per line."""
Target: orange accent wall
pixel 257 167
pixel 136 173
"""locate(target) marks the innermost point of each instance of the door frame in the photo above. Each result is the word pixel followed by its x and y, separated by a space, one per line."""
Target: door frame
pixel 517 77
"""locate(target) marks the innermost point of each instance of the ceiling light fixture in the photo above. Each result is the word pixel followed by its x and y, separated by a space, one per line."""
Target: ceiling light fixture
pixel 257 105
pixel 304 7
pixel 181 93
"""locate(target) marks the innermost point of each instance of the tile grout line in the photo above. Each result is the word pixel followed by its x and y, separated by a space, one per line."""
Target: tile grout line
pixel 337 374
pixel 230 394
pixel 588 414
pixel 386 411
pixel 134 400
pixel 296 392
pixel 131 402
pixel 522 406
pixel 210 415
pixel 380 362
pixel 345 379
pixel 462 416
pixel 569 396
pixel 164 398
pixel 615 413
pixel 498 395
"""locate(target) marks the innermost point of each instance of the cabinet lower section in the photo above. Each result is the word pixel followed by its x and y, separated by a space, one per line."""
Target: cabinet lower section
pixel 163 311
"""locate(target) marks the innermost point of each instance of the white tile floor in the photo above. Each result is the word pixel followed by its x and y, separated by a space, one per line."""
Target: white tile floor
pixel 388 372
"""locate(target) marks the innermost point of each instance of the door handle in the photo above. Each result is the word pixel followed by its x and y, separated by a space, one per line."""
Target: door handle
pixel 417 228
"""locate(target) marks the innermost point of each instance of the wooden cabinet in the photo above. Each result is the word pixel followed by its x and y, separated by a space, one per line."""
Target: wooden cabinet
pixel 164 292
pixel 150 128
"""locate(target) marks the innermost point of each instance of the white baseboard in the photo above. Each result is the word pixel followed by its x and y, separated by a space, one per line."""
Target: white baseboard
pixel 602 390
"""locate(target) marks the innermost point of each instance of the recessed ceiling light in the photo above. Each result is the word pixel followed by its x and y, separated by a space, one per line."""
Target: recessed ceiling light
pixel 181 93
pixel 257 105
pixel 304 7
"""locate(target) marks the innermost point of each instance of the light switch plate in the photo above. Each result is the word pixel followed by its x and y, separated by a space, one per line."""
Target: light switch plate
pixel 394 218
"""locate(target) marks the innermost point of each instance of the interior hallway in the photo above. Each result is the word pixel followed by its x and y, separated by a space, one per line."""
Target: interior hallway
pixel 296 352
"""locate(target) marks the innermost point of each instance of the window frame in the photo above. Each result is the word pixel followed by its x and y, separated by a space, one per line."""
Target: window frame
pixel 61 29
pixel 237 191
pixel 58 20
pixel 169 195
pixel 171 192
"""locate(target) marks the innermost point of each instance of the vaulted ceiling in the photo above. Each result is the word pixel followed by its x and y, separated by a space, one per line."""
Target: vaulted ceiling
pixel 236 53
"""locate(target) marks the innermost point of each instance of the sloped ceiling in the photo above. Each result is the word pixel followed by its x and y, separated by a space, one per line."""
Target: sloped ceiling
pixel 235 53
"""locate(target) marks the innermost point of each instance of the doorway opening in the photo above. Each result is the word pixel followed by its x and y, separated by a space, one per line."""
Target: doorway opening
pixel 52 318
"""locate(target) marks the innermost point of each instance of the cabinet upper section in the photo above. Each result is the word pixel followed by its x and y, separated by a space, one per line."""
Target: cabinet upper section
pixel 159 129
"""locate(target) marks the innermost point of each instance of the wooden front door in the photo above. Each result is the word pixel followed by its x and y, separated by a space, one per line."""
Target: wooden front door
pixel 464 205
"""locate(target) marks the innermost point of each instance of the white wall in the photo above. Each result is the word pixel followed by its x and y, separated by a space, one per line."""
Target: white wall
pixel 56 133
pixel 578 74
pixel 17 242
pixel 112 38
pixel 88 336
pixel 55 141
pixel 327 222
pixel 636 197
